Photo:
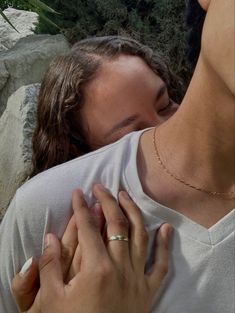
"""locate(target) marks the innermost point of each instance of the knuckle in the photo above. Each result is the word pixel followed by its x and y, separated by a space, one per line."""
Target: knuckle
pixel 46 258
pixel 67 252
pixel 107 266
pixel 119 222
pixel 15 286
pixel 91 223
pixel 143 236
pixel 20 288
pixel 125 280
pixel 163 268
pixel 82 206
pixel 104 273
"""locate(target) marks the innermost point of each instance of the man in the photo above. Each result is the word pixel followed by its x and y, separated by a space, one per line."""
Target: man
pixel 181 172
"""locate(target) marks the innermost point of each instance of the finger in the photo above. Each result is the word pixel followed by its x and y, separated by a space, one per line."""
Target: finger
pixel 51 276
pixel 138 233
pixel 96 210
pixel 25 285
pixel 69 243
pixel 76 264
pixel 117 224
pixel 160 266
pixel 90 240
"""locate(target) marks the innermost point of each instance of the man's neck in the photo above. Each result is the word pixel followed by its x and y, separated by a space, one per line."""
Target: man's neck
pixel 198 143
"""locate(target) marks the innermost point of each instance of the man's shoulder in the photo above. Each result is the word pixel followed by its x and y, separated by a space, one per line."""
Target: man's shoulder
pixel 53 188
pixel 103 158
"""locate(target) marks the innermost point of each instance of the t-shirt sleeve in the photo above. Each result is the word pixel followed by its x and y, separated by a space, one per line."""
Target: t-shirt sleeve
pixel 18 242
pixel 11 253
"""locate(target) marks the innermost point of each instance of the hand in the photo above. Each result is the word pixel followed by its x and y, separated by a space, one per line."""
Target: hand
pixel 26 284
pixel 110 277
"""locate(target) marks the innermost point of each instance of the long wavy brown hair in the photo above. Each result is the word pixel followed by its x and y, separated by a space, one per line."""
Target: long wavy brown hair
pixel 59 135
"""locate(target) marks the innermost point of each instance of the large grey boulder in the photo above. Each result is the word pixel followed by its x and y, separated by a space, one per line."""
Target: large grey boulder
pixel 24 21
pixel 27 62
pixel 16 127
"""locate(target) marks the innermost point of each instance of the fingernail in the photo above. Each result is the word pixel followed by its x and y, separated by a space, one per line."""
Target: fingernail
pixel 26 266
pixel 125 195
pixel 97 208
pixel 47 241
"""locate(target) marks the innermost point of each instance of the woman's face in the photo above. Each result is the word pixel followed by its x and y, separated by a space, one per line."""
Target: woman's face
pixel 124 96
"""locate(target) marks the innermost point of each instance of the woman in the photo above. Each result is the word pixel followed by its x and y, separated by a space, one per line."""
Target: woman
pixel 67 89
pixel 86 101
pixel 103 89
pixel 69 103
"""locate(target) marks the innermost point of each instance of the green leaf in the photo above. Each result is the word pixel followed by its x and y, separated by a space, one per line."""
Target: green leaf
pixel 43 16
pixel 41 5
pixel 7 20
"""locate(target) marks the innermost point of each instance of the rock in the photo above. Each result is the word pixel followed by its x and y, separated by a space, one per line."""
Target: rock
pixel 26 62
pixel 16 127
pixel 4 74
pixel 25 22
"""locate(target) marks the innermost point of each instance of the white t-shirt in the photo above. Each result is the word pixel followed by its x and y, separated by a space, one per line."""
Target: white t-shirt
pixel 201 271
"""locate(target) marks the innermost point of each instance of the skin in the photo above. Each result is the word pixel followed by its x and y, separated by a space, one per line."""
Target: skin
pixel 119 270
pixel 205 151
pixel 208 114
pixel 124 96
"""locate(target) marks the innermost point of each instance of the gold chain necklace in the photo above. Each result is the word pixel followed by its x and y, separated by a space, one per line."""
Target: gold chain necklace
pixel 225 195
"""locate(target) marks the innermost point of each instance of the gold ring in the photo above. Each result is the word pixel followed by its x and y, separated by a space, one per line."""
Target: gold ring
pixel 118 237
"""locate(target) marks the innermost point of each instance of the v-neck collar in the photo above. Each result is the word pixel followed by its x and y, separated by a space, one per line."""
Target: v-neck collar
pixel 154 211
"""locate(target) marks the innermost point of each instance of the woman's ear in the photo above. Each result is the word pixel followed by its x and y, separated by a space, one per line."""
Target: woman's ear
pixel 204 4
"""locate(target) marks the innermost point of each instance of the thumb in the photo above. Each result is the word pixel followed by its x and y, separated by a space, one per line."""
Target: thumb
pixel 25 285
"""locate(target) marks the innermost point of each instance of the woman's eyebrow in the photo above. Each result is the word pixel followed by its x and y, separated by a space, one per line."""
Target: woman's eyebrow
pixel 127 121
pixel 160 92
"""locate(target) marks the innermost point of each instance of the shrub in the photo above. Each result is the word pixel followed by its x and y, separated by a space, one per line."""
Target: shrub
pixel 157 23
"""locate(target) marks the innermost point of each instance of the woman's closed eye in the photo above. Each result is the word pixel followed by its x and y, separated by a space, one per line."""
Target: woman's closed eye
pixel 167 108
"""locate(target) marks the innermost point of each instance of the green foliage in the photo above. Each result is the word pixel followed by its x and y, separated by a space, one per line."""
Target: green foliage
pixel 17 4
pixel 157 23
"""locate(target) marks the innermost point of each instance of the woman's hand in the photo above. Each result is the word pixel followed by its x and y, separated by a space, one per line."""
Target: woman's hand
pixel 26 284
pixel 110 276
